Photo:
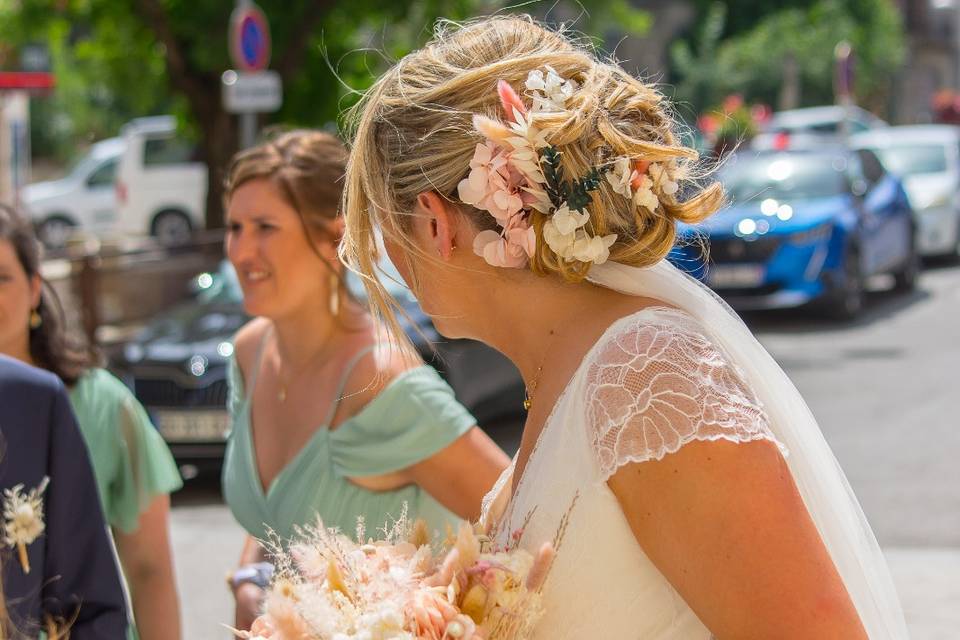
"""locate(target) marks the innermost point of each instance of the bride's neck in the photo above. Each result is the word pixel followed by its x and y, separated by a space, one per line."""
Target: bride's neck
pixel 527 320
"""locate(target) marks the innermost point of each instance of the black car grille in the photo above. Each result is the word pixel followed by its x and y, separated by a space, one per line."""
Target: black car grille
pixel 732 250
pixel 750 292
pixel 167 393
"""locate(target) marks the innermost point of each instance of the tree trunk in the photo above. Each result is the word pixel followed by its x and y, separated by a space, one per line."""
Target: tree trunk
pixel 218 143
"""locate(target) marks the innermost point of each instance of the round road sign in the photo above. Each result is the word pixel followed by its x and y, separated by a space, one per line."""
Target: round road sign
pixel 249 38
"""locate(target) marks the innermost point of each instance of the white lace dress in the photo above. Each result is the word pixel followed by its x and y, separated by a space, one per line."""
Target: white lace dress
pixel 650 385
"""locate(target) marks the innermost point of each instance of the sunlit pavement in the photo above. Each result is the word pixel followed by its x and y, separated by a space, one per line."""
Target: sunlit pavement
pixel 885 389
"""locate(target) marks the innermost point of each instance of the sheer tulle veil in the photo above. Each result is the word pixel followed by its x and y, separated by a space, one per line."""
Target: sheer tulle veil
pixel 825 490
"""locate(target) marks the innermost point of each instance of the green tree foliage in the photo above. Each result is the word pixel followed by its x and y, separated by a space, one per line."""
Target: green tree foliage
pixel 752 62
pixel 117 59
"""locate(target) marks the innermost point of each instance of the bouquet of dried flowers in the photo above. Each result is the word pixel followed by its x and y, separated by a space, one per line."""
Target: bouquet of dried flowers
pixel 330 587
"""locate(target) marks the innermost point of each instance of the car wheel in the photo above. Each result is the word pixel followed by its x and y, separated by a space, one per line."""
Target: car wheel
pixel 171 228
pixel 55 231
pixel 906 278
pixel 848 299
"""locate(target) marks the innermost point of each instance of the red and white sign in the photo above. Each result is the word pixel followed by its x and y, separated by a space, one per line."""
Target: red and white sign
pixel 26 80
pixel 249 38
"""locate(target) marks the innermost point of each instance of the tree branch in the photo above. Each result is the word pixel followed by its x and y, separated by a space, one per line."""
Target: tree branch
pixel 181 75
pixel 296 48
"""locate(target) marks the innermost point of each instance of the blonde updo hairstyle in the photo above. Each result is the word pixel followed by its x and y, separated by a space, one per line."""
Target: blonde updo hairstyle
pixel 412 133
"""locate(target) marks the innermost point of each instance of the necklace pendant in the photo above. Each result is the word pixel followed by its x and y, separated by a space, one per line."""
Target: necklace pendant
pixel 527 403
pixel 282 394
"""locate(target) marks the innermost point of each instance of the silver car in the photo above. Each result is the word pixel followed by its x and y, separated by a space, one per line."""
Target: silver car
pixel 927 159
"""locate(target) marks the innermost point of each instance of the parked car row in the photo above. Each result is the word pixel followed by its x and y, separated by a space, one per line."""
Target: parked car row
pixel 145 182
pixel 177 367
pixel 815 212
pixel 806 226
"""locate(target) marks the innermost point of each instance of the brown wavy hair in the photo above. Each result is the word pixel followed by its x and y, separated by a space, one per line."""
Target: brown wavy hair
pixel 50 346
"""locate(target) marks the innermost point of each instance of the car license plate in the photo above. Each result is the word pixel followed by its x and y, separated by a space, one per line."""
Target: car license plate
pixel 735 275
pixel 192 426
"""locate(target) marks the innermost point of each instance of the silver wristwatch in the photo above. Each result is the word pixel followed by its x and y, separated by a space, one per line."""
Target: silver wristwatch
pixel 259 573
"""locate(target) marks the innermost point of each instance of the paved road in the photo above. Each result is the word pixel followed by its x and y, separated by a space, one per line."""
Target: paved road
pixel 885 391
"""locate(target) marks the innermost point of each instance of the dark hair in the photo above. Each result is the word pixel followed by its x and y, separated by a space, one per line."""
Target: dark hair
pixel 50 347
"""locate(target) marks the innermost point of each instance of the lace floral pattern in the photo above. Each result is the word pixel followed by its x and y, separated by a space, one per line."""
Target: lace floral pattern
pixel 657 383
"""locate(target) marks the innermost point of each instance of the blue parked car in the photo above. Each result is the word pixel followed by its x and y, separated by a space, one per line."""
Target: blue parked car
pixel 806 226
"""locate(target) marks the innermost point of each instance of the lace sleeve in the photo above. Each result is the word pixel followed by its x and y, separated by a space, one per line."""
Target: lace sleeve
pixel 658 383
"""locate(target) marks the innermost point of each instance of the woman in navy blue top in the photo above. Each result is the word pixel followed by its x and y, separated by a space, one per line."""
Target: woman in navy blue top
pixel 68 572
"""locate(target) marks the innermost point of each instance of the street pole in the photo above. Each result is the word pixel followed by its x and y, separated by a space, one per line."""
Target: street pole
pixel 843 83
pixel 248 130
pixel 247 121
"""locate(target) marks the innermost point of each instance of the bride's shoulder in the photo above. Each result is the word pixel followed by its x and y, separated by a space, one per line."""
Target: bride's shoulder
pixel 651 333
pixel 657 380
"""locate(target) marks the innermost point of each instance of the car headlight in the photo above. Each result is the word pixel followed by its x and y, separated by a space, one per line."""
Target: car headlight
pixel 816 234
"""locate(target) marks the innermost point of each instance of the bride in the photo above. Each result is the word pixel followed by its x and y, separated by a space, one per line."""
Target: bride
pixel 528 193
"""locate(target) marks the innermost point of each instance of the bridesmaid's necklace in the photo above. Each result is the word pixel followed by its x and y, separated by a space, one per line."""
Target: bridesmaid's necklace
pixel 283 384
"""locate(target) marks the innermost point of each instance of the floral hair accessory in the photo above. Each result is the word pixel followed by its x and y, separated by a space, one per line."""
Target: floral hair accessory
pixel 515 171
pixel 23 518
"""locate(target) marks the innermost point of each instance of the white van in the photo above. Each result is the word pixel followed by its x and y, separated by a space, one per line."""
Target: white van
pixel 161 188
pixel 83 199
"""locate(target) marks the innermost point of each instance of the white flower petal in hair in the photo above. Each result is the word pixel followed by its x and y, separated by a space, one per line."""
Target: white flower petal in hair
pixel 560 243
pixel 549 91
pixel 595 249
pixel 662 179
pixel 620 176
pixel 528 135
pixel 644 195
pixel 568 221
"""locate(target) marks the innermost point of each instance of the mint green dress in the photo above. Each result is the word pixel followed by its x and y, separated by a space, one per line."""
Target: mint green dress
pixel 131 462
pixel 411 419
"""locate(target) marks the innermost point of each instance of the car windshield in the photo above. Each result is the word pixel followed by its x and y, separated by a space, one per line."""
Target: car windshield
pixel 915 159
pixel 785 177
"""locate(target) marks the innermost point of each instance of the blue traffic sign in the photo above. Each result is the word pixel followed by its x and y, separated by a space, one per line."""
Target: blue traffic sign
pixel 249 39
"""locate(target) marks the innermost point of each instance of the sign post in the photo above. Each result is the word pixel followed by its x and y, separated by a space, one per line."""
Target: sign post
pixel 250 89
pixel 843 78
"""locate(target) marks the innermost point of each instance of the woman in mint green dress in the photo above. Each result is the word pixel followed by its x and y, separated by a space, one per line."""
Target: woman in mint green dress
pixel 330 419
pixel 134 470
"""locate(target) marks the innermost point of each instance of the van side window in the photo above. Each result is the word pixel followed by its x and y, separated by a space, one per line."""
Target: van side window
pixel 160 151
pixel 103 176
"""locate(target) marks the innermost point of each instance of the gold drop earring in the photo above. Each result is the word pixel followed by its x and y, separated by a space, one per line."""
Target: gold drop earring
pixel 35 319
pixel 334 294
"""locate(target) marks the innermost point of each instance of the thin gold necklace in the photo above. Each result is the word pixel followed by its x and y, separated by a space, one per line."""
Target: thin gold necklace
pixel 529 390
pixel 282 392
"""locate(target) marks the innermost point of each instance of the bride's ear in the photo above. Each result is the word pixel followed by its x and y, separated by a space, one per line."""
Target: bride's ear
pixel 437 222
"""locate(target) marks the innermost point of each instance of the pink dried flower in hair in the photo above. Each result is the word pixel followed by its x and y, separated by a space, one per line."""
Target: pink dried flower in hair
pixel 510 100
